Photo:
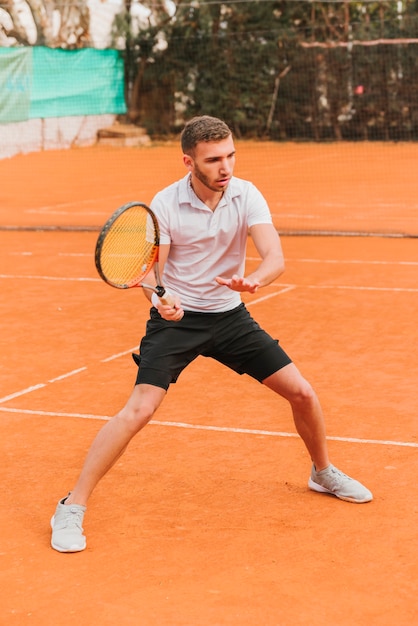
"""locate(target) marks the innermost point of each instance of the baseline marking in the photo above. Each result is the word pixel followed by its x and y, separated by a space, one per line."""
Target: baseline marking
pixel 284 290
pixel 221 429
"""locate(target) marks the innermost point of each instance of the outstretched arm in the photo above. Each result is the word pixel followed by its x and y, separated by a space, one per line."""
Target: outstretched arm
pixel 267 242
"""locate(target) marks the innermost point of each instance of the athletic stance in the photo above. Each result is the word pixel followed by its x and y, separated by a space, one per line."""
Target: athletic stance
pixel 204 223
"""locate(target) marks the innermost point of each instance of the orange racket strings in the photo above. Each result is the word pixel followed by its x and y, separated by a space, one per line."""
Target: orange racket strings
pixel 129 249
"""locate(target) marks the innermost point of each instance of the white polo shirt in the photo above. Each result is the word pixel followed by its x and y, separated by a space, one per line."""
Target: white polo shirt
pixel 205 243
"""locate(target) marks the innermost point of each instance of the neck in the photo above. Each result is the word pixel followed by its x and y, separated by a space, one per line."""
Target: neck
pixel 207 196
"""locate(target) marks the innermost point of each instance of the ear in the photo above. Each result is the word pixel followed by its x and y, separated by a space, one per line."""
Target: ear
pixel 188 161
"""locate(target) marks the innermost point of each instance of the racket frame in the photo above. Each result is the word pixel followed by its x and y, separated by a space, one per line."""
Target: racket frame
pixel 153 264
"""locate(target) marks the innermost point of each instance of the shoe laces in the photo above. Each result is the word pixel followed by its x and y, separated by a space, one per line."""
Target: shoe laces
pixel 337 476
pixel 72 517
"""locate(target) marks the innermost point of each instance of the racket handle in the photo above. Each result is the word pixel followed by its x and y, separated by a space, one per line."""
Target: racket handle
pixel 164 297
pixel 167 300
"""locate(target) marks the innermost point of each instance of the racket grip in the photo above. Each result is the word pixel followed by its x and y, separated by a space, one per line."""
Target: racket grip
pixel 165 298
pixel 168 300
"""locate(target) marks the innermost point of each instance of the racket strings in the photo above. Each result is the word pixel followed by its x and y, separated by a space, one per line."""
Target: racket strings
pixel 128 249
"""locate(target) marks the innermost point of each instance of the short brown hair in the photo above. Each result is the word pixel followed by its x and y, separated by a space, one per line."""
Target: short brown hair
pixel 203 128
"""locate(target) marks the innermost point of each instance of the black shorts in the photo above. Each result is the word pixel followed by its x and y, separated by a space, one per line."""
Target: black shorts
pixel 232 338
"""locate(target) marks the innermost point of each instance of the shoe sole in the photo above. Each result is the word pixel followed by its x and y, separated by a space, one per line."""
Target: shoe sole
pixel 320 489
pixel 73 548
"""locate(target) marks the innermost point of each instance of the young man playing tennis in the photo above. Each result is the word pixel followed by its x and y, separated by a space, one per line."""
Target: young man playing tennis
pixel 204 223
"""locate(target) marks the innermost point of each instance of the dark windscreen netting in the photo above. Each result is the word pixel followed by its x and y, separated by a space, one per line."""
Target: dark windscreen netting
pixel 282 70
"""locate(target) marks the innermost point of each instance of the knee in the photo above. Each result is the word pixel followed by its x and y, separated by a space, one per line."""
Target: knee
pixel 302 394
pixel 134 419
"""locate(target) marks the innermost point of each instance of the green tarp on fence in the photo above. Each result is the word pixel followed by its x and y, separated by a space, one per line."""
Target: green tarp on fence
pixel 15 84
pixel 43 82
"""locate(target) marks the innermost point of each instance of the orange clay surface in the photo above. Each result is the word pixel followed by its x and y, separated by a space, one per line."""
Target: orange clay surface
pixel 207 519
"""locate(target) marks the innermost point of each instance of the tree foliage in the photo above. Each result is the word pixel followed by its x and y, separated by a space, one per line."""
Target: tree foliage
pixel 282 69
pixel 51 23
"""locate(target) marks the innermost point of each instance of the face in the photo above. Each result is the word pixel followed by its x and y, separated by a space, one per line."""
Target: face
pixel 212 163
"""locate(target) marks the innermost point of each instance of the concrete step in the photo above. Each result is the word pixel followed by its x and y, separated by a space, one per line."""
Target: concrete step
pixel 127 135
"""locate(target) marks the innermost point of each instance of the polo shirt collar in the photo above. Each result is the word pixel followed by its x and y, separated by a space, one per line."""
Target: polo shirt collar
pixel 187 196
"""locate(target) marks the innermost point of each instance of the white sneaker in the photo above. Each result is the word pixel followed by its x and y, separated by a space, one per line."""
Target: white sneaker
pixel 332 480
pixel 67 527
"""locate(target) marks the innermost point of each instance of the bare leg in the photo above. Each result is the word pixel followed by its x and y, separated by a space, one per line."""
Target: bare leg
pixel 112 440
pixel 307 412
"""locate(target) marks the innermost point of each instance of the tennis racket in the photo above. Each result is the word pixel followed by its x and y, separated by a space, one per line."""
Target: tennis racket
pixel 127 249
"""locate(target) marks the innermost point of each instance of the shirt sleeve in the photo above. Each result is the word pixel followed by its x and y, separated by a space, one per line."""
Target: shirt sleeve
pixel 159 206
pixel 258 209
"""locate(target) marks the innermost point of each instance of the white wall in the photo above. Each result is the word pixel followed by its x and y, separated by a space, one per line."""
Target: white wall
pixel 51 134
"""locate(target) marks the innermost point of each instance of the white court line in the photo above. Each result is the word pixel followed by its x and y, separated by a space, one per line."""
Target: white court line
pixel 68 374
pixel 220 429
pixel 63 278
pixel 83 254
pixel 352 261
pixel 116 356
pixel 52 208
pixel 341 261
pixel 389 207
pixel 284 289
pixel 17 394
pixel 248 258
pixel 359 288
pixel 27 390
pixel 85 212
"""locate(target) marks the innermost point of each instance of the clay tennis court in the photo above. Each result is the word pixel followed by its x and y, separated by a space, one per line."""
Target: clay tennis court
pixel 207 519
